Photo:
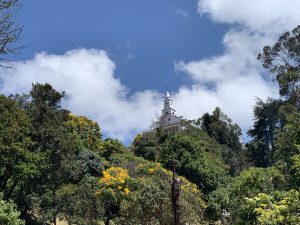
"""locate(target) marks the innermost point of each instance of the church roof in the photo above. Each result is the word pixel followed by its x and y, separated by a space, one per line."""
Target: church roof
pixel 167 95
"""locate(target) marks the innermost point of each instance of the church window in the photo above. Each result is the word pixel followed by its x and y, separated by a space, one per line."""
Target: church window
pixel 169 119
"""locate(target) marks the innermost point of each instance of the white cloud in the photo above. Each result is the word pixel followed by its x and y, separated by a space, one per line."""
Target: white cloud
pixel 87 77
pixel 267 16
pixel 235 77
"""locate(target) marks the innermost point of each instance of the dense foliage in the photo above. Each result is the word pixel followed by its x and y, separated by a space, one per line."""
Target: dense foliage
pixel 55 166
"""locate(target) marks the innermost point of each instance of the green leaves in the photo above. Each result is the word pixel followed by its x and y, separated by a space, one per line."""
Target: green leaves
pixel 247 185
pixel 9 215
pixel 282 59
pixel 219 127
pixel 280 208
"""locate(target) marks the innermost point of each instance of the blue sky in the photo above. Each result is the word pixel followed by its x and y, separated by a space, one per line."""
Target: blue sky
pixel 115 59
pixel 143 38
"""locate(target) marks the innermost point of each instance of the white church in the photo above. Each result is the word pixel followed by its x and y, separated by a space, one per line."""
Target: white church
pixel 168 119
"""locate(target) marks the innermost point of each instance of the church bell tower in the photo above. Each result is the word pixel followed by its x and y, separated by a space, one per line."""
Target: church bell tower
pixel 168 104
pixel 168 119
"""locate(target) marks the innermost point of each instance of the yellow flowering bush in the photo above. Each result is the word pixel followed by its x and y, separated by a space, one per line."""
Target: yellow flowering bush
pixel 145 194
pixel 114 178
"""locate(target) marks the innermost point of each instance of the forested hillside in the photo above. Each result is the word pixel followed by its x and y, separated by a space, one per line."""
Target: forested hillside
pixel 55 167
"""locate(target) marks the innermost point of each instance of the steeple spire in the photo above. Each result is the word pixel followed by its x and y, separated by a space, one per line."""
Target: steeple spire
pixel 167 95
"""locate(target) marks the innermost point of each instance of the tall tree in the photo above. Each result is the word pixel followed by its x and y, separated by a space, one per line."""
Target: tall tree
pixel 283 60
pixel 220 127
pixel 266 121
pixel 53 140
pixel 10 30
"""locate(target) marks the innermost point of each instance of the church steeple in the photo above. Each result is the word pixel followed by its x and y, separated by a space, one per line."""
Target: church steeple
pixel 167 95
pixel 168 104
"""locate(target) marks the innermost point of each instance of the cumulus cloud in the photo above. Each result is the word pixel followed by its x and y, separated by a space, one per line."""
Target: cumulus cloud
pixel 233 79
pixel 267 16
pixel 87 77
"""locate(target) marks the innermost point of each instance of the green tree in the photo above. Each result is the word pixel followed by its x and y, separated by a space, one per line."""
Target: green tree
pixel 9 215
pixel 287 142
pixel 266 121
pixel 14 144
pixel 221 128
pixel 10 30
pixel 72 146
pixel 282 59
pixel 114 187
pixel 295 171
pixel 20 165
pixel 263 209
pixel 87 131
pixel 53 140
pixel 78 203
pixel 195 162
pixel 109 147
pixel 248 184
pixel 147 145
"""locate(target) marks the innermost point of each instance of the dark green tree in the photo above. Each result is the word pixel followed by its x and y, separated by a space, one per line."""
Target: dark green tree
pixel 266 121
pixel 283 60
pixel 53 140
pixel 20 166
pixel 110 147
pixel 220 127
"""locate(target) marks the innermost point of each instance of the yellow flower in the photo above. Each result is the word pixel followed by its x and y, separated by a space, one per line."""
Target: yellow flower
pixel 126 191
pixel 99 192
pixel 151 170
pixel 114 176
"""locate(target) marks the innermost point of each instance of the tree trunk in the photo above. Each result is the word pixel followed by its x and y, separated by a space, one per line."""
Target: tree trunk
pixel 54 220
pixel 107 220
pixel 3 180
